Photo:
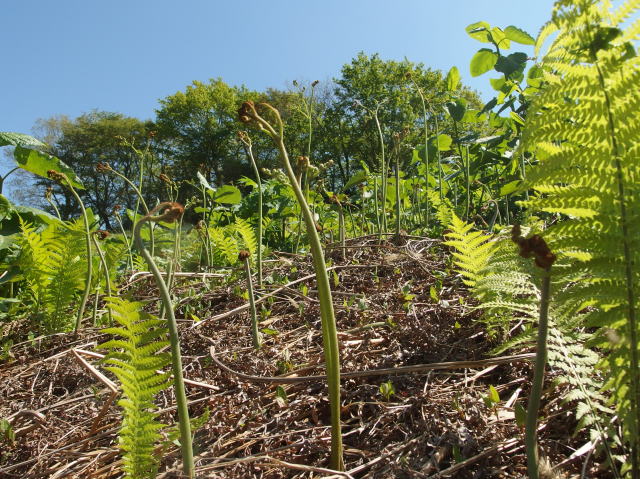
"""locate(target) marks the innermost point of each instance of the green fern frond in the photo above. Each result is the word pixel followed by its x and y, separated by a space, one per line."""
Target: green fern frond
pixel 473 250
pixel 583 127
pixel 246 231
pixel 135 358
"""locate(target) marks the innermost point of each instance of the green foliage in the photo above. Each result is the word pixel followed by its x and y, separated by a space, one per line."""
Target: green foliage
pixel 473 250
pixel 53 264
pixel 583 127
pixel 134 357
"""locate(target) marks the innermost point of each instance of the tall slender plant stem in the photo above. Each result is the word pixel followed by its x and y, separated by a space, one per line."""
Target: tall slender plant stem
pixel 531 421
pixel 105 268
pixel 426 149
pixel 245 257
pixel 246 140
pixel 170 212
pixel 248 114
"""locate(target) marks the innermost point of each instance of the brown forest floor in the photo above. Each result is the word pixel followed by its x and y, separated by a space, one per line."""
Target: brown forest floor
pixel 436 421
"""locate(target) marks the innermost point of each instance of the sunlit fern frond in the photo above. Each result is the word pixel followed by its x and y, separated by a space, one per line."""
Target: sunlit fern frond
pixel 247 233
pixel 135 357
pixel 583 129
pixel 473 249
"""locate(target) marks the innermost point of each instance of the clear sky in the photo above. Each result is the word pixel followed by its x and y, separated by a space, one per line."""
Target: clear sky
pixel 71 56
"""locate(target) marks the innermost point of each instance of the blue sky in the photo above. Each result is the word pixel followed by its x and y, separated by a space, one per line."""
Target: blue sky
pixel 71 56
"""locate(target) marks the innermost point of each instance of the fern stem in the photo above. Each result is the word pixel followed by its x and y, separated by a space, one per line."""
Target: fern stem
pixel 249 150
pixel 171 210
pixel 244 256
pixel 531 422
pixel 327 315
pixel 629 282
pixel 107 280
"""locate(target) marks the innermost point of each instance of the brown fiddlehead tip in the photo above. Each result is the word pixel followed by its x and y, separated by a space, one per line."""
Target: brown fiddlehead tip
pixel 535 247
pixel 243 254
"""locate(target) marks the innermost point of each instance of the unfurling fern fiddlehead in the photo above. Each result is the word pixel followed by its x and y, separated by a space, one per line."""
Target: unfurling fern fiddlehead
pixel 248 114
pixel 170 212
pixel 134 358
pixel 536 247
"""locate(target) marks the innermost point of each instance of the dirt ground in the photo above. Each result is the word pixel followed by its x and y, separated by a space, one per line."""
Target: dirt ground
pixel 433 421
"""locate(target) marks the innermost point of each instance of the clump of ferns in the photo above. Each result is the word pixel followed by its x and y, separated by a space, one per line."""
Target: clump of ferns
pixel 65 182
pixel 510 292
pixel 53 263
pixel 135 356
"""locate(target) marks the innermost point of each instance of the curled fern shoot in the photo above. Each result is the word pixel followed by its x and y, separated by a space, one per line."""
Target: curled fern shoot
pixel 248 114
pixel 134 357
pixel 170 212
pixel 537 248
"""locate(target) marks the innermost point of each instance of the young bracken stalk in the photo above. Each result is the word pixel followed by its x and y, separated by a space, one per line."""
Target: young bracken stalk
pixel 245 257
pixel 64 180
pixel 246 141
pixel 248 114
pixel 536 247
pixel 170 212
pixel 101 234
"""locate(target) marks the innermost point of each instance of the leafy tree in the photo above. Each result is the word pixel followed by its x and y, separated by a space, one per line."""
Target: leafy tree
pixel 197 131
pixel 84 142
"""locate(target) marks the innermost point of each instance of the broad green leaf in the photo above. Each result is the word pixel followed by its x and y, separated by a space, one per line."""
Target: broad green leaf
pixel 8 138
pixel 227 194
pixel 6 208
pixel 510 64
pixel 479 31
pixel 40 163
pixel 444 142
pixel 500 38
pixel 534 76
pixel 483 61
pixel 453 79
pixel 510 187
pixel 497 83
pixel 517 35
pixel 473 116
pixel 356 179
pixel 456 109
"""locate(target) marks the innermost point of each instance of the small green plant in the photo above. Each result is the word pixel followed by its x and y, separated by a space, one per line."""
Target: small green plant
pixel 387 390
pixel 134 357
pixel 492 399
